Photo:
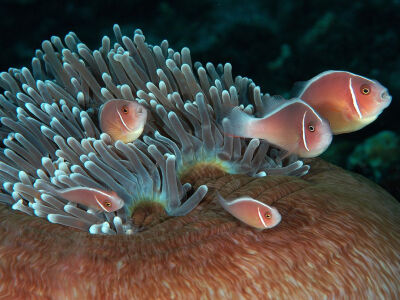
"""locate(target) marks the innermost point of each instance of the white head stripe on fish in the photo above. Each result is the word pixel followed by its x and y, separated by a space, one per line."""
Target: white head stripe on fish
pixel 353 96
pixel 122 120
pixel 99 203
pixel 303 129
pixel 261 218
pixel 314 111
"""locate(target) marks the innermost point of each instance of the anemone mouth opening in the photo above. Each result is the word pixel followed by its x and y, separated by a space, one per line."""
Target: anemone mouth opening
pixel 147 214
pixel 199 170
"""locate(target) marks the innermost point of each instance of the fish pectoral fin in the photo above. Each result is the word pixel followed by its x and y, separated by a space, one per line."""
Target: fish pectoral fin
pixel 290 149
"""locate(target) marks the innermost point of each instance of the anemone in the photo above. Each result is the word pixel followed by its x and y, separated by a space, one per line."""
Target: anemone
pixel 52 140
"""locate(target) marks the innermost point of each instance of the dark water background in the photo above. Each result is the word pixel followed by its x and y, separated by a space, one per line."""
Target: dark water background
pixel 276 43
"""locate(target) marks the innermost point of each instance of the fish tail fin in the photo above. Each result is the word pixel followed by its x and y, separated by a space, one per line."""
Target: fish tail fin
pixel 238 123
pixel 222 201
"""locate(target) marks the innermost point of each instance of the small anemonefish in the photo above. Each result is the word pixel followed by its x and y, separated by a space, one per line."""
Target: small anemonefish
pixel 108 201
pixel 122 119
pixel 252 212
pixel 290 124
pixel 348 101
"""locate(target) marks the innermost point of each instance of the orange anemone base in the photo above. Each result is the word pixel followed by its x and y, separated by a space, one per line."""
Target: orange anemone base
pixel 339 238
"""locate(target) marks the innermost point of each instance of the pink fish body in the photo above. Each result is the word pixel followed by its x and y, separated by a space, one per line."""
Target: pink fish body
pixel 290 124
pixel 97 199
pixel 122 119
pixel 252 212
pixel 348 101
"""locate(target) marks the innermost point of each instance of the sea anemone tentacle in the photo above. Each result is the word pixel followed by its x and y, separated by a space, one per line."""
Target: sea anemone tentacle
pixel 98 163
pixel 50 130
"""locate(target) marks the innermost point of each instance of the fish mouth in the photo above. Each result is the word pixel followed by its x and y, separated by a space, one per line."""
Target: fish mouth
pixel 385 96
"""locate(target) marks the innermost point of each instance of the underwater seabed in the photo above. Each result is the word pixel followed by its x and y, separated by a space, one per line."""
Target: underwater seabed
pixel 338 238
pixel 339 235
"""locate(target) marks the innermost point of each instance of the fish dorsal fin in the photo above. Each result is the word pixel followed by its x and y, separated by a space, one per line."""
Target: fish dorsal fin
pixel 277 103
pixel 271 103
pixel 298 88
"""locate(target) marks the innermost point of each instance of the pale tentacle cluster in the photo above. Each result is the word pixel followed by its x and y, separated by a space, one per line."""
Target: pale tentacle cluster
pixel 52 140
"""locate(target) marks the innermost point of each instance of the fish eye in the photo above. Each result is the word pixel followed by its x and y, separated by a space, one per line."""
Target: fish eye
pixel 107 203
pixel 268 215
pixel 125 109
pixel 365 90
pixel 311 128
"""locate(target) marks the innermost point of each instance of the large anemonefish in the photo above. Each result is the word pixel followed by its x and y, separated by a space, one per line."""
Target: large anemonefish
pixel 348 101
pixel 252 212
pixel 122 119
pixel 290 124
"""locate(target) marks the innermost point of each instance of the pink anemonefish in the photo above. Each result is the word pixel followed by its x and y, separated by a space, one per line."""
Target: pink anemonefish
pixel 122 119
pixel 108 201
pixel 290 124
pixel 348 101
pixel 252 212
